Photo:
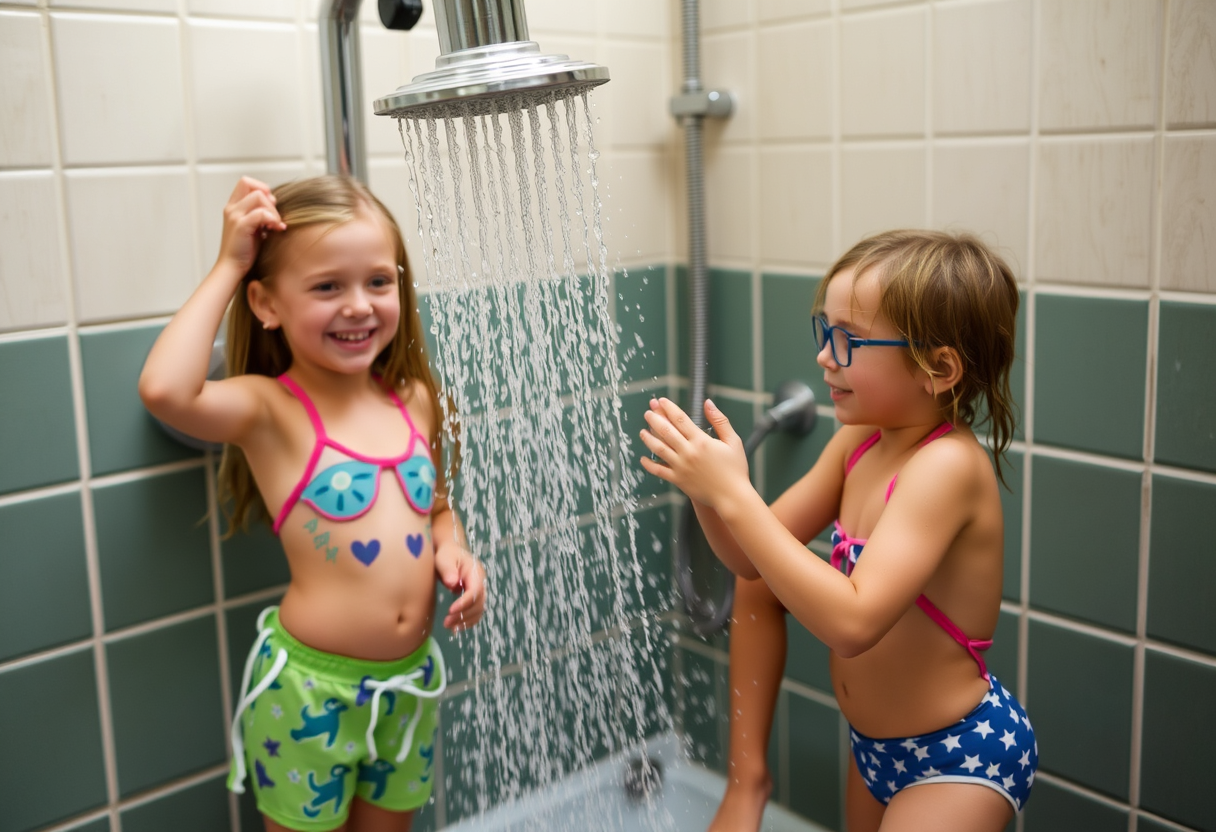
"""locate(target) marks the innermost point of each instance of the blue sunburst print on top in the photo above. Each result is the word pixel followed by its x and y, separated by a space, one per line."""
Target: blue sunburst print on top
pixel 343 491
pixel 418 478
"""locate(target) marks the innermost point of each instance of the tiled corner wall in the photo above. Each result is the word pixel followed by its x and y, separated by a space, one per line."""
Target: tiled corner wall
pixel 1079 138
pixel 124 619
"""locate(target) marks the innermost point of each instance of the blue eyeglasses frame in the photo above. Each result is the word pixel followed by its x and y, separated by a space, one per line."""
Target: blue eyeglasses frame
pixel 823 335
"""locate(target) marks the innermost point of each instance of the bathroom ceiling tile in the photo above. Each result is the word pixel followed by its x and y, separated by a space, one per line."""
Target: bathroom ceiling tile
pixel 639 18
pixel 1190 72
pixel 215 185
pixel 264 9
pixel 1083 735
pixel 1181 568
pixel 120 89
pixel 728 62
pixel 385 67
pixel 262 120
pixel 815 760
pixel 882 66
pixel 1186 386
pixel 730 215
pixel 50 706
pixel 636 97
pixel 165 703
pixel 25 105
pixel 135 261
pixel 985 189
pixel 1188 221
pixel 581 16
pixel 771 10
pixel 981 67
pixel 795 213
pixel 636 190
pixel 33 291
pixel 1093 216
pixel 883 188
pixel 1098 64
pixel 795 82
pixel 38 443
pixel 1056 809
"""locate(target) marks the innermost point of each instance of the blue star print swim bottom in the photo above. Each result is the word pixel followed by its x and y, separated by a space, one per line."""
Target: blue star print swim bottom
pixel 992 746
pixel 312 729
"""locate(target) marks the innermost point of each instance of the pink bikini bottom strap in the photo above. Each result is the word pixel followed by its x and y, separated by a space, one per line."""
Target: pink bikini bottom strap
pixel 972 645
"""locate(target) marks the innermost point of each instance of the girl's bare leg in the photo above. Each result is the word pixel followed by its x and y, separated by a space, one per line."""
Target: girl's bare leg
pixel 863 813
pixel 364 817
pixel 947 807
pixel 271 826
pixel 757 662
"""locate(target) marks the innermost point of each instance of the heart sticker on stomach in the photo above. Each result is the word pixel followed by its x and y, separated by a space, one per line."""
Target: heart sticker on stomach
pixel 414 542
pixel 365 553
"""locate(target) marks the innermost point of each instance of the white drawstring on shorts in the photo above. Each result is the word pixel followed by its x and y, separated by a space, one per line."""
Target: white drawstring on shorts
pixel 238 740
pixel 405 683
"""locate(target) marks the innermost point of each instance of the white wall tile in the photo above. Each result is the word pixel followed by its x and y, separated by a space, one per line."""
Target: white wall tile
pixel 855 5
pixel 730 209
pixel 771 10
pixel 637 18
pixel 882 188
pixel 261 9
pixel 634 188
pixel 120 89
pixel 981 67
pixel 795 83
pixel 1098 64
pixel 637 95
pixel 728 63
pixel 579 16
pixel 985 189
pixel 725 14
pixel 1190 75
pixel 251 107
pixel 389 181
pixel 32 285
pixel 24 2
pixel 138 261
pixel 882 60
pixel 25 110
pixel 796 206
pixel 1188 233
pixel 161 6
pixel 314 105
pixel 385 67
pixel 215 185
pixel 1093 221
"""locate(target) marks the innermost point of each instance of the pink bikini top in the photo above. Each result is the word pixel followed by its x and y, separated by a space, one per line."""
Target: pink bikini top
pixel 846 550
pixel 349 489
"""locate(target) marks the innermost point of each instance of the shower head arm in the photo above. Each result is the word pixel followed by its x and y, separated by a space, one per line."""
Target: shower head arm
pixel 342 89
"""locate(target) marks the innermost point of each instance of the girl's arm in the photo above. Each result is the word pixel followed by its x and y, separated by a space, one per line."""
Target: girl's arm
pixel 849 614
pixel 457 569
pixel 173 384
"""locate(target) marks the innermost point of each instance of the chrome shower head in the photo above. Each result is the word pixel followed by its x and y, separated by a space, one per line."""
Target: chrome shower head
pixel 487 65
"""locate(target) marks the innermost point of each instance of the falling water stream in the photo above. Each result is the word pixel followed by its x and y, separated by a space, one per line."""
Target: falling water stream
pixel 567 664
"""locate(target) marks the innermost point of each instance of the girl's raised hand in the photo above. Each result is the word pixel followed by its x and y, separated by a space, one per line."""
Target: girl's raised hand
pixel 460 572
pixel 248 216
pixel 705 468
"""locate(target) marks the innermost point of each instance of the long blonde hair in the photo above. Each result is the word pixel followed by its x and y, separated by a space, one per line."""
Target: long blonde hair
pixel 948 290
pixel 252 349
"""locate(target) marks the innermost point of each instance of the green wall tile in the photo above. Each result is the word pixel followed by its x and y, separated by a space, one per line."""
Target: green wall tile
pixel 253 560
pixel 1177 769
pixel 1017 373
pixel 656 679
pixel 788 457
pixel 50 724
pixel 814 761
pixel 806 657
pixel 1182 563
pixel 1011 507
pixel 633 422
pixel 1055 809
pixel 681 335
pixel 99 825
pixel 1186 386
pixel 787 339
pixel 153 547
pixel 1085 541
pixel 1090 356
pixel 653 542
pixel 38 436
pixel 166 704
pixel 729 326
pixel 1147 824
pixel 641 314
pixel 1079 698
pixel 1002 657
pixel 777 735
pixel 199 808
pixel 705 715
pixel 44 582
pixel 122 434
pixel 241 625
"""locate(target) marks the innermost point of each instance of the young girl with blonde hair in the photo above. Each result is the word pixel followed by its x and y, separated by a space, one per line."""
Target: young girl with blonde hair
pixel 332 424
pixel 915 331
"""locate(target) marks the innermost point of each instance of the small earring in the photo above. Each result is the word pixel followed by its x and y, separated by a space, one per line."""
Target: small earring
pixel 400 269
pixel 266 325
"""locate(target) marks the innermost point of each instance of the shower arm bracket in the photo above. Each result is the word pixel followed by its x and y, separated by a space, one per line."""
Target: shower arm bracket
pixel 704 104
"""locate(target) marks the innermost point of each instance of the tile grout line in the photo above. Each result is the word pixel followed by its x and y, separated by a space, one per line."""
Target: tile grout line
pixel 221 620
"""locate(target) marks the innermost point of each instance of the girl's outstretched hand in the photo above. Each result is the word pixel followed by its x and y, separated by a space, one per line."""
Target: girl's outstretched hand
pixel 705 468
pixel 248 216
pixel 462 575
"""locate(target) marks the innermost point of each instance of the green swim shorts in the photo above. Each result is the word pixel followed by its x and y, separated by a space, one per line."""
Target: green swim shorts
pixel 312 729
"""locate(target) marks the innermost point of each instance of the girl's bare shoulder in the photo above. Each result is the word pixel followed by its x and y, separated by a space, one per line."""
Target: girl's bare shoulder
pixel 416 396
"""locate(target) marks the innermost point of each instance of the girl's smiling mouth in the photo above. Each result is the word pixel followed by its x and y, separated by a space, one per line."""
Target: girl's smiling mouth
pixel 353 338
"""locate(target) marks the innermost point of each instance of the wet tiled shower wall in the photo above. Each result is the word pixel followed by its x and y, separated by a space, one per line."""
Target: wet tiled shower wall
pixel 1078 138
pixel 124 619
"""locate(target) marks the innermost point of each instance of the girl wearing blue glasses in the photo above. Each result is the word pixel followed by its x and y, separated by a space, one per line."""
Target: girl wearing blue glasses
pixel 915 332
